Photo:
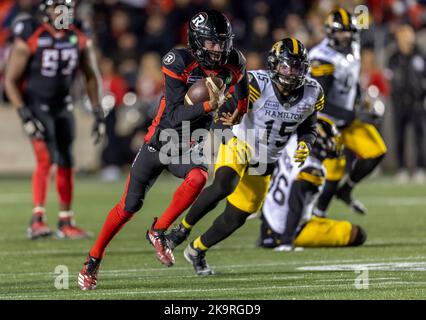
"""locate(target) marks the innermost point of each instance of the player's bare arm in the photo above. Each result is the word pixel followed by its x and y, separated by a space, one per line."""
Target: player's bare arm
pixel 17 64
pixel 91 72
pixel 15 70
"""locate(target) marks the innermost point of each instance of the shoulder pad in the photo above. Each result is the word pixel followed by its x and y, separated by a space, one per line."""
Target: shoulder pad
pixel 254 90
pixel 319 103
pixel 25 27
pixel 176 60
pixel 321 52
pixel 261 78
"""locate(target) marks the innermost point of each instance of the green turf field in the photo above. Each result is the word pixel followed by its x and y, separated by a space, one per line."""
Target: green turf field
pixel 395 252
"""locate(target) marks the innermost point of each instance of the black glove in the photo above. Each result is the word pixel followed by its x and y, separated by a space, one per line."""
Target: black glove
pixel 98 129
pixel 32 126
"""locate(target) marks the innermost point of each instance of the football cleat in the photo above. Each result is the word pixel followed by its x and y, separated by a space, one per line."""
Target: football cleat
pixel 158 240
pixel 38 227
pixel 344 195
pixel 68 230
pixel 88 276
pixel 178 235
pixel 198 260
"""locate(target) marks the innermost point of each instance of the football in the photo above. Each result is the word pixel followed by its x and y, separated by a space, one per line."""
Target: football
pixel 199 91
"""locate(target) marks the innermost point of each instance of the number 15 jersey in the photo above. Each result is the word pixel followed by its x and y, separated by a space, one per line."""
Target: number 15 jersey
pixel 272 118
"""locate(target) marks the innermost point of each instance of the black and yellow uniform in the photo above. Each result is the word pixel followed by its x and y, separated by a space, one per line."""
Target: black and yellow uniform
pixel 336 67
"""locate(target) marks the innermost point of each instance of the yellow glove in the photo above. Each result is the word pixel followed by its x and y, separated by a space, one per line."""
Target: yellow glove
pixel 302 153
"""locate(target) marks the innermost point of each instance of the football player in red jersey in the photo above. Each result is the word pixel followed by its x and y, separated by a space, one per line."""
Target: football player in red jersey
pixel 210 53
pixel 43 62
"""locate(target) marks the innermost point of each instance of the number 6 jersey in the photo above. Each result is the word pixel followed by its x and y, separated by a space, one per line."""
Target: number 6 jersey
pixel 277 206
pixel 272 118
pixel 55 56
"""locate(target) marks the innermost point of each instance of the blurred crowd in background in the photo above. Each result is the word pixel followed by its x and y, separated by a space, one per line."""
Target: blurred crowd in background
pixel 133 35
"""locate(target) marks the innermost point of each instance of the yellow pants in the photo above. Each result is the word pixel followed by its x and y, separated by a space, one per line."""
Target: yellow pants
pixel 361 138
pixel 251 190
pixel 323 232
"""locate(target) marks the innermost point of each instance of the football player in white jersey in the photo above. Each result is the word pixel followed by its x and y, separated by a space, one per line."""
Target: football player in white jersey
pixel 335 64
pixel 287 221
pixel 283 101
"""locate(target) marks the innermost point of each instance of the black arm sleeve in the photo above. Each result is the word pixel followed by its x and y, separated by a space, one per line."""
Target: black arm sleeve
pixel 307 130
pixel 301 194
pixel 175 91
pixel 242 93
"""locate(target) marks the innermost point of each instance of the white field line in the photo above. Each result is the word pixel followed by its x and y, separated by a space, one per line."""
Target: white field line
pixel 226 267
pixel 207 290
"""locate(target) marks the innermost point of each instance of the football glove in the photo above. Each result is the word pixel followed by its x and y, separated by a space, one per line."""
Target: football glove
pixel 302 153
pixel 32 126
pixel 99 128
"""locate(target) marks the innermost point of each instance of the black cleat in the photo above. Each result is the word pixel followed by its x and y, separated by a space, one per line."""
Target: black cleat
pixel 198 260
pixel 178 235
pixel 344 194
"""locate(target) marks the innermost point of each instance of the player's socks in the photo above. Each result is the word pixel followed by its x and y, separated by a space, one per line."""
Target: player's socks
pixel 183 197
pixel 39 211
pixel 115 221
pixel 199 245
pixel 64 185
pixel 225 182
pixel 41 173
pixel 224 225
pixel 186 225
pixel 363 167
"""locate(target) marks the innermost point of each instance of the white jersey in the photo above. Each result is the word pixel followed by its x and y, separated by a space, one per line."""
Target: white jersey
pixel 346 74
pixel 268 124
pixel 276 206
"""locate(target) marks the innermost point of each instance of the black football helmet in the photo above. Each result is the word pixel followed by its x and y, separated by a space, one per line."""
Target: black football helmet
pixel 213 26
pixel 327 144
pixel 288 64
pixel 45 4
pixel 341 29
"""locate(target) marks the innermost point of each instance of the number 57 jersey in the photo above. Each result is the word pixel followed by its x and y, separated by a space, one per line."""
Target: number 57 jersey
pixel 55 57
pixel 272 117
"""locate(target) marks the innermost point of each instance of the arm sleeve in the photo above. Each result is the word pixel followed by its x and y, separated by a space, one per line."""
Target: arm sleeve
pixel 307 130
pixel 175 91
pixel 242 93
pixel 302 192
